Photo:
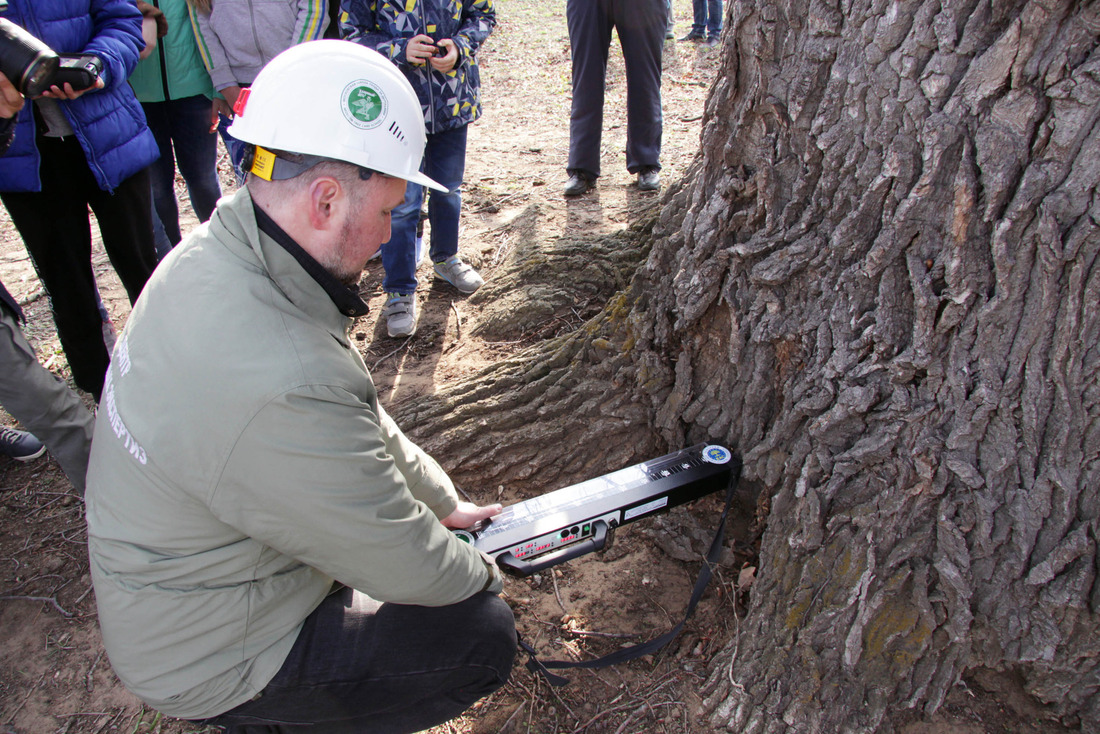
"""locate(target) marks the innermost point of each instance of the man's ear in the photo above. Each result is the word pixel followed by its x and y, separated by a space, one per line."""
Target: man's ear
pixel 326 200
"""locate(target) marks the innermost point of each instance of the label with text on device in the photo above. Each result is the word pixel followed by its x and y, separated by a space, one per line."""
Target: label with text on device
pixel 555 527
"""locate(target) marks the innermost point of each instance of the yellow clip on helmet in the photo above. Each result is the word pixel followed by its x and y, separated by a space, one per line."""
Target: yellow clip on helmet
pixel 336 99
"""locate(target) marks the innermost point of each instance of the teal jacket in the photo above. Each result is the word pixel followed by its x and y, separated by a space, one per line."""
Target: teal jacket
pixel 241 464
pixel 174 70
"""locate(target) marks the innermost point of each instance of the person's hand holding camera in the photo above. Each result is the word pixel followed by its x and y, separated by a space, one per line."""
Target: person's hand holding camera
pixel 447 56
pixel 67 91
pixel 11 101
pixel 419 49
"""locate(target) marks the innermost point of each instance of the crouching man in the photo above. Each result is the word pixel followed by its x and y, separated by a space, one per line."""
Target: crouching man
pixel 269 552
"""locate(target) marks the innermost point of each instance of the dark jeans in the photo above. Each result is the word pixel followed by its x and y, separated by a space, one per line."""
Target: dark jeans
pixel 641 25
pixel 708 18
pixel 234 147
pixel 182 130
pixel 360 666
pixel 56 230
pixel 444 162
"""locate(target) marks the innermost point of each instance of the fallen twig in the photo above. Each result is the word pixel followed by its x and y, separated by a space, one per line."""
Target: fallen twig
pixel 505 728
pixel 591 633
pixel 557 595
pixel 642 709
pixel 26 698
pixel 50 599
pixel 88 683
pixel 387 356
pixel 495 205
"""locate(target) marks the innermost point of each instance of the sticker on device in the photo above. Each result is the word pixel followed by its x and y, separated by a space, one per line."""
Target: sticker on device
pixel 716 454
pixel 645 509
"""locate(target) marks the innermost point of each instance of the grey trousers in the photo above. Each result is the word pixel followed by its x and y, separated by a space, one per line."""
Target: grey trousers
pixel 43 404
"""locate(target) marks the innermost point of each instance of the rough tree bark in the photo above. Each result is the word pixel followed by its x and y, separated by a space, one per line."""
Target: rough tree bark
pixel 880 283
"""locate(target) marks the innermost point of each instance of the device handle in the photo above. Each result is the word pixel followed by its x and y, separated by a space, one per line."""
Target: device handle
pixel 525 568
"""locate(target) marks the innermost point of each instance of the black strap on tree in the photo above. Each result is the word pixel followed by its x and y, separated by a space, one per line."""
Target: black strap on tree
pixel 626 654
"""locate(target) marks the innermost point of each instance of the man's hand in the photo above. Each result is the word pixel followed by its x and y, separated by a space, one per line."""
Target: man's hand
pixel 446 62
pixel 56 92
pixel 467 513
pixel 419 49
pixel 231 94
pixel 11 101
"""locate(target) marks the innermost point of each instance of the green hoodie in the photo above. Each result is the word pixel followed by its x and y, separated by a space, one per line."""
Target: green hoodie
pixel 241 463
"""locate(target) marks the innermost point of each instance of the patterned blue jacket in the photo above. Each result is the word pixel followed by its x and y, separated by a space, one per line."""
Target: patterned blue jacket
pixel 109 122
pixel 449 100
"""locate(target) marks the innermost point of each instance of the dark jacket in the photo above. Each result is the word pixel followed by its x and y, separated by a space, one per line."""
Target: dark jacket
pixel 7 302
pixel 109 122
pixel 449 100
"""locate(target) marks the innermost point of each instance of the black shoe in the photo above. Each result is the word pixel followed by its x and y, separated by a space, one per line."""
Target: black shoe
pixel 669 35
pixel 712 41
pixel 579 183
pixel 649 179
pixel 693 37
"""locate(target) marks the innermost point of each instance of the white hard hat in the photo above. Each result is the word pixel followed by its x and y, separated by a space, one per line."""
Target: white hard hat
pixel 339 100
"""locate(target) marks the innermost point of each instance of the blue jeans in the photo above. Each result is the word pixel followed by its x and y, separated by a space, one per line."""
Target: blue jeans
pixel 359 665
pixel 234 147
pixel 445 162
pixel 708 18
pixel 182 130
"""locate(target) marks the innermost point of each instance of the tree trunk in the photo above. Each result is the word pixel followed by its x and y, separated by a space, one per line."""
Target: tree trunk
pixel 880 284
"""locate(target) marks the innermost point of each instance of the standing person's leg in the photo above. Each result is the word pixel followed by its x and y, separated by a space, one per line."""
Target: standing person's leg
pixel 43 404
pixel 126 224
pixel 196 152
pixel 235 148
pixel 399 252
pixel 399 263
pixel 589 38
pixel 55 229
pixel 640 24
pixel 162 175
pixel 698 20
pixel 445 161
pixel 359 665
pixel 714 18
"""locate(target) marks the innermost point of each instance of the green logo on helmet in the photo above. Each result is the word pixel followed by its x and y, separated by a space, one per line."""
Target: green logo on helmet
pixel 364 105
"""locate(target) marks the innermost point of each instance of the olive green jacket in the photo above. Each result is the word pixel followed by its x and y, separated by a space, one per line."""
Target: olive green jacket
pixel 241 463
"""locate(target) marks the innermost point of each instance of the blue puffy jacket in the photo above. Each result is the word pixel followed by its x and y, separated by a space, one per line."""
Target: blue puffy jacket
pixel 109 122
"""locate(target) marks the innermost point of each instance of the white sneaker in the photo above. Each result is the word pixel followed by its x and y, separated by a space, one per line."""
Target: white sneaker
pixel 400 314
pixel 459 274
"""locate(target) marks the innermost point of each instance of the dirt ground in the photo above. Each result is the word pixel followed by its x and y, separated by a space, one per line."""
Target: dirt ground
pixel 54 676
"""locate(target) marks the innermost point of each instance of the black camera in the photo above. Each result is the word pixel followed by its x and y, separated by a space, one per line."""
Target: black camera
pixel 79 70
pixel 33 67
pixel 28 63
